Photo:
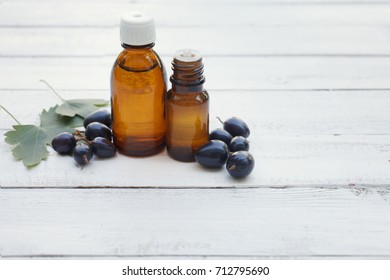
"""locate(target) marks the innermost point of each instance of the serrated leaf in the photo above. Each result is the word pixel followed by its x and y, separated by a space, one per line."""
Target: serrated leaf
pixel 81 107
pixel 54 123
pixel 30 143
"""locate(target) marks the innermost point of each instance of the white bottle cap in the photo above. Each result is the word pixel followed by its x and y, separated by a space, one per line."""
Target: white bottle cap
pixel 187 55
pixel 137 29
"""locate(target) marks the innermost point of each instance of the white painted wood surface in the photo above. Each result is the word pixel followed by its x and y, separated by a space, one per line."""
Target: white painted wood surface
pixel 261 222
pixel 311 79
pixel 298 137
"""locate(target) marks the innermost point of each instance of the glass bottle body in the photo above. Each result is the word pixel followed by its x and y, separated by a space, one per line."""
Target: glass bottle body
pixel 138 92
pixel 187 121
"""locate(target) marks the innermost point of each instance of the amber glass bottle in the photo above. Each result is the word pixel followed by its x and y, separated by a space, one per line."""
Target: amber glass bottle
pixel 187 107
pixel 138 90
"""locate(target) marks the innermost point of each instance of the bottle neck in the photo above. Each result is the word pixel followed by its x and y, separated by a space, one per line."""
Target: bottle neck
pixel 137 48
pixel 187 76
pixel 187 88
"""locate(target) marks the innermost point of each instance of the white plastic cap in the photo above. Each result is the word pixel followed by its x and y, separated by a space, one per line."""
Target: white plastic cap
pixel 187 55
pixel 137 29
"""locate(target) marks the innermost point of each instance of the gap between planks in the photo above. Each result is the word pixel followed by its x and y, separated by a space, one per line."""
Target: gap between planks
pixel 211 256
pixel 253 90
pixel 355 187
pixel 257 2
pixel 224 55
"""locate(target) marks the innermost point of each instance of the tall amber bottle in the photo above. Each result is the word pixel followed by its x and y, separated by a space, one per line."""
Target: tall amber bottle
pixel 187 107
pixel 138 90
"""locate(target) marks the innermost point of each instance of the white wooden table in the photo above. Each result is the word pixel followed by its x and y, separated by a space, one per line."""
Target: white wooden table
pixel 312 80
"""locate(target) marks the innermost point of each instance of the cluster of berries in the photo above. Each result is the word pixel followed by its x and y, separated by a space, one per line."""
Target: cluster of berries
pixel 96 140
pixel 228 146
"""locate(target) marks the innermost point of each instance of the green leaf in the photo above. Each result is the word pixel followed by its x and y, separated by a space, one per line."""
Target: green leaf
pixel 54 123
pixel 30 143
pixel 81 107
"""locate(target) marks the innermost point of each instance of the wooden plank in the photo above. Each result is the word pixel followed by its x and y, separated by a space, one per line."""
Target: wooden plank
pixel 215 41
pixel 193 13
pixel 267 112
pixel 310 138
pixel 280 161
pixel 222 73
pixel 262 222
pixel 297 138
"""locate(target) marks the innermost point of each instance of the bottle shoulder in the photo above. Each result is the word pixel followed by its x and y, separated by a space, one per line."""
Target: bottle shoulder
pixel 197 97
pixel 138 60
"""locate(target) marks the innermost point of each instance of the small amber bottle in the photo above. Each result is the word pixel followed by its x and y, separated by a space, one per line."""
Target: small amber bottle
pixel 138 90
pixel 187 107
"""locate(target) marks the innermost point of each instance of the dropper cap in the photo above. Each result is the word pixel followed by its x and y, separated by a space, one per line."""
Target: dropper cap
pixel 187 55
pixel 137 29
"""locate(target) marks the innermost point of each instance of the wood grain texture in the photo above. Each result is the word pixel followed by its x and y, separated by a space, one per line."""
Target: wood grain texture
pixel 281 223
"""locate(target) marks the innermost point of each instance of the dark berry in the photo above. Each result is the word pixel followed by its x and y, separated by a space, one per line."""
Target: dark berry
pixel 82 154
pixel 213 154
pixel 103 148
pixel 63 143
pixel 96 129
pixel 220 134
pixel 239 143
pixel 100 116
pixel 236 127
pixel 240 164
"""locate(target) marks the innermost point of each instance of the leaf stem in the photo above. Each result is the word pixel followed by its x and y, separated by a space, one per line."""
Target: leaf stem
pixel 56 93
pixel 12 116
pixel 220 120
